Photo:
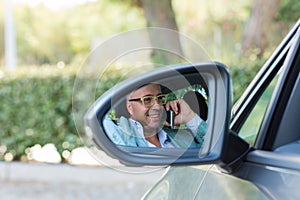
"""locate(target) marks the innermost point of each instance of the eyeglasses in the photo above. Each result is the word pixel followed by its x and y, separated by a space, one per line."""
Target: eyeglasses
pixel 150 100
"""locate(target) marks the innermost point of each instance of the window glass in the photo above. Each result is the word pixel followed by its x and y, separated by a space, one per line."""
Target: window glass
pixel 252 124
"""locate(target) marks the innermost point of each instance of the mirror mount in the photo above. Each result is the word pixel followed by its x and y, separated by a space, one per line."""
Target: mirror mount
pixel 234 153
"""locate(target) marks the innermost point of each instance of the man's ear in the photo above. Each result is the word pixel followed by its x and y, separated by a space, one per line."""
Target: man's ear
pixel 129 108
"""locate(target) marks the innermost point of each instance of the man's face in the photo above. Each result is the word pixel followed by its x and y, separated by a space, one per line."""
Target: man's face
pixel 149 116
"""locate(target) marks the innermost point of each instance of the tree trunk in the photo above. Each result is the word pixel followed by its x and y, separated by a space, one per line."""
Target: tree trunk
pixel 160 14
pixel 257 28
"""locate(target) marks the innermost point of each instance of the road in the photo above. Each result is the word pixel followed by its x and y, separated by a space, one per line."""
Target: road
pixel 30 181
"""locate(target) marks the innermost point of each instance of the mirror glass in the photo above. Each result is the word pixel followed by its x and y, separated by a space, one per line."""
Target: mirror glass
pixel 161 114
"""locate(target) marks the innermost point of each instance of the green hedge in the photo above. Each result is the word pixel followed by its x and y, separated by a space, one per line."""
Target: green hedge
pixel 36 108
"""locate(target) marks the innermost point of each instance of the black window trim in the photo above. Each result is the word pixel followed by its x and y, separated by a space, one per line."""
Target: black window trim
pixel 248 100
pixel 280 98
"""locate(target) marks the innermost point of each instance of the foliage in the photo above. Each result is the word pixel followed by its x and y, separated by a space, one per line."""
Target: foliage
pixel 243 71
pixel 47 36
pixel 36 108
pixel 288 11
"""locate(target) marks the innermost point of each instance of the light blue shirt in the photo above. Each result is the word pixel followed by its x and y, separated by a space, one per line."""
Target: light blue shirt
pixel 130 132
pixel 193 125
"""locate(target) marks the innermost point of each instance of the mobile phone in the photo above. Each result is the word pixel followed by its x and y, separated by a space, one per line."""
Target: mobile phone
pixel 170 118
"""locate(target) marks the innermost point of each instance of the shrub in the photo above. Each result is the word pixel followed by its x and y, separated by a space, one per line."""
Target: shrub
pixel 36 108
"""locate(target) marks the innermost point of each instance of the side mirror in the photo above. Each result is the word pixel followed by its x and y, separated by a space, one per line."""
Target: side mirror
pixel 112 123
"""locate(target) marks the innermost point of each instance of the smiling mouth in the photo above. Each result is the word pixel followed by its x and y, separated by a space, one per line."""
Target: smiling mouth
pixel 155 115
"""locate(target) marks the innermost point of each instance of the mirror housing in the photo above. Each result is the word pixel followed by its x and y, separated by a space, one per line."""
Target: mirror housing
pixel 214 76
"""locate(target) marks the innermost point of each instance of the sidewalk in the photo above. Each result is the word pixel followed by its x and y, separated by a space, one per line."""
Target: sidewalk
pixel 32 181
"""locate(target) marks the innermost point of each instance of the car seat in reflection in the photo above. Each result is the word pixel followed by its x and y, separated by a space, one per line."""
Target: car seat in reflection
pixel 197 103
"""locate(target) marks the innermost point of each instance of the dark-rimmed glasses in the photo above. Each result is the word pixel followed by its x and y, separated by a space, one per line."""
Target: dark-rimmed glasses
pixel 150 100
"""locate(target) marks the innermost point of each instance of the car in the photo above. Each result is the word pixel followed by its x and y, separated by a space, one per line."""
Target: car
pixel 250 150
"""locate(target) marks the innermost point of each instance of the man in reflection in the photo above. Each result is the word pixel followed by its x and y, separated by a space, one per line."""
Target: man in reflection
pixel 147 108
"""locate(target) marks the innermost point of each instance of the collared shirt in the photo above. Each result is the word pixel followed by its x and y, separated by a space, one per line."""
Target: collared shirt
pixel 162 135
pixel 193 124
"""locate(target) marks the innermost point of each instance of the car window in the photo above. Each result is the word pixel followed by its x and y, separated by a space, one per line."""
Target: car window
pixel 252 124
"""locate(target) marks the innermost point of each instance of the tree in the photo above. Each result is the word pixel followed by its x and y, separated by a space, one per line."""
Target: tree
pixel 258 25
pixel 161 14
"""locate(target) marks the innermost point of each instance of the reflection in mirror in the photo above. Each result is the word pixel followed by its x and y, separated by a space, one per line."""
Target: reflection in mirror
pixel 155 116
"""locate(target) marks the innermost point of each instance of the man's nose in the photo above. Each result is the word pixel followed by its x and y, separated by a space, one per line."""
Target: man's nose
pixel 156 104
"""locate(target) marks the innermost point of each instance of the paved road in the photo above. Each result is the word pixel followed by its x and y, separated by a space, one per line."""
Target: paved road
pixel 23 181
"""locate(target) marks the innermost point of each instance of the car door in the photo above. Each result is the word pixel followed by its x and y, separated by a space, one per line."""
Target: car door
pixel 268 121
pixel 262 117
pixel 274 164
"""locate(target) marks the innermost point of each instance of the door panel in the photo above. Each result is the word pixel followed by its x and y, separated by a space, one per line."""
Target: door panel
pixel 202 182
pixel 275 182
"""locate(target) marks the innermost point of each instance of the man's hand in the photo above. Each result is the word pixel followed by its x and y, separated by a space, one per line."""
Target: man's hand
pixel 183 112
